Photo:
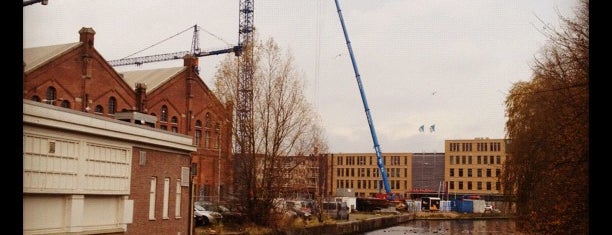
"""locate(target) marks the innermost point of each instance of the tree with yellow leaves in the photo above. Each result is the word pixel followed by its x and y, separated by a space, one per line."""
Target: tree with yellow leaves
pixel 547 172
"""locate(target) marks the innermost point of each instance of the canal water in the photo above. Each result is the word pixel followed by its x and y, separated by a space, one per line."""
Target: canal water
pixel 486 226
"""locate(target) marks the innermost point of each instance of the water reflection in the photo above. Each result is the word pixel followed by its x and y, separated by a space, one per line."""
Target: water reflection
pixel 488 226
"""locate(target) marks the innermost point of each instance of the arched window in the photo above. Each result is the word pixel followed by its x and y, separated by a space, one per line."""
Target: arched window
pixel 36 98
pixel 217 135
pixel 174 119
pixel 164 114
pixel 198 123
pixel 207 120
pixel 112 105
pixel 206 139
pixel 51 94
pixel 65 104
pixel 99 109
pixel 198 137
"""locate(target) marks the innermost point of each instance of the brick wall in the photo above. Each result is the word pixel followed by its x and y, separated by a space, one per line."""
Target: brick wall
pixel 161 165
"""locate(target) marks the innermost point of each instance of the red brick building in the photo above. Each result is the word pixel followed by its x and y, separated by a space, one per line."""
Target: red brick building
pixel 77 77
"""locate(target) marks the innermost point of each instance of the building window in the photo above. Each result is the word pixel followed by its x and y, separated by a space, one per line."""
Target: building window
pixel 36 98
pixel 207 120
pixel 452 185
pixel 491 160
pixel 112 105
pixel 207 139
pixel 479 185
pixel 497 172
pixel 174 129
pixel 395 160
pixel 152 191
pixel 51 95
pixel 452 172
pixel 51 147
pixel 99 109
pixel 498 159
pixel 469 159
pixel 198 123
pixel 469 185
pixel 460 172
pixel 497 186
pixel 198 136
pixel 462 159
pixel 177 202
pixel 469 173
pixel 456 159
pixel 479 172
pixel 164 114
pixel 479 160
pixel 450 160
pixel 460 185
pixel 488 172
pixel 163 127
pixel 65 104
pixel 488 185
pixel 174 120
pixel 166 196
pixel 143 158
pixel 217 140
pixel 484 159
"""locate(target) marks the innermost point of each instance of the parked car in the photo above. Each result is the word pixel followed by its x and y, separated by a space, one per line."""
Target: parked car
pixel 229 215
pixel 296 209
pixel 203 216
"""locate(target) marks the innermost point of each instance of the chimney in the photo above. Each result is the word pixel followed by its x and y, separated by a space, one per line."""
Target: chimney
pixel 87 36
pixel 141 97
pixel 190 60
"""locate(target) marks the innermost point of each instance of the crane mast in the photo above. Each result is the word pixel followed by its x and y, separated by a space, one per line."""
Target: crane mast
pixel 245 142
pixel 379 158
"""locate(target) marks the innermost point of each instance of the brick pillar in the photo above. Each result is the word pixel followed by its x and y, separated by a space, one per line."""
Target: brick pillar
pixel 141 98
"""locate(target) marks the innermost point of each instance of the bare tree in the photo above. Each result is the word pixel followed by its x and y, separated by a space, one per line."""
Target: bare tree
pixel 284 124
pixel 547 172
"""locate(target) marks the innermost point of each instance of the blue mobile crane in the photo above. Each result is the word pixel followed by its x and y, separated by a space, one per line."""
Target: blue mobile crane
pixel 379 158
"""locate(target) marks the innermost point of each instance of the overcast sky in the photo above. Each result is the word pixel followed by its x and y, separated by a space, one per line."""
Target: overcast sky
pixel 443 63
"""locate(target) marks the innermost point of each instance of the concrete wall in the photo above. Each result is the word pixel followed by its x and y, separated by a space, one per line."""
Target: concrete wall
pixel 352 227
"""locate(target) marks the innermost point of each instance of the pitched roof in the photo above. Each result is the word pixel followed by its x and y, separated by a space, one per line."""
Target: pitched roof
pixel 152 78
pixel 35 57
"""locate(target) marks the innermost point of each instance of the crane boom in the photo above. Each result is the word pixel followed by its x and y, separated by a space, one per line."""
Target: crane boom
pixel 379 158
pixel 195 51
pixel 170 56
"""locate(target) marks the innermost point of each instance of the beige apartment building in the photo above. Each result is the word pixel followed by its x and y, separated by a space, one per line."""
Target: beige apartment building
pixel 473 167
pixel 360 172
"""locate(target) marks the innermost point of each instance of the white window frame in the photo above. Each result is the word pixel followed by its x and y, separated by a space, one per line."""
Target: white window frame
pixel 152 195
pixel 166 196
pixel 177 203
